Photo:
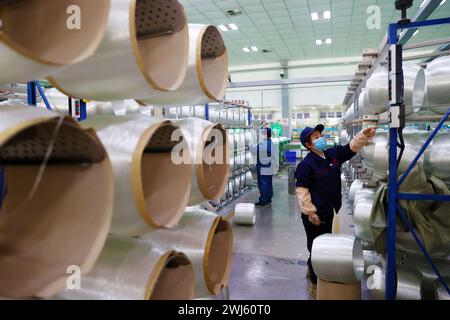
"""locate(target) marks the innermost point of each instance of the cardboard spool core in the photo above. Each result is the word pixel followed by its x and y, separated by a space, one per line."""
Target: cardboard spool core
pixel 165 183
pixel 175 281
pixel 219 257
pixel 163 41
pixel 214 63
pixel 214 177
pixel 47 31
pixel 67 219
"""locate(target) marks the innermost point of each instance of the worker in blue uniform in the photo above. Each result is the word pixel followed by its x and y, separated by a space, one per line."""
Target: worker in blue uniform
pixel 318 183
pixel 265 160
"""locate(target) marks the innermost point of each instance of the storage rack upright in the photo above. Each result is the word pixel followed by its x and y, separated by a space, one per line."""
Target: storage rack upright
pixel 397 121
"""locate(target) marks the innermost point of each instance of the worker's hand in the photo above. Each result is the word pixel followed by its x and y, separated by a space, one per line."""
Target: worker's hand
pixel 370 132
pixel 314 219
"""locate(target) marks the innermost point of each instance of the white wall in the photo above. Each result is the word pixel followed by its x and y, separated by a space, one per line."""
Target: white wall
pixel 300 95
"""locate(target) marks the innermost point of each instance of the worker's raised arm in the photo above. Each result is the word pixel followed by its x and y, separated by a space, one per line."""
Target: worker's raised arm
pixel 362 139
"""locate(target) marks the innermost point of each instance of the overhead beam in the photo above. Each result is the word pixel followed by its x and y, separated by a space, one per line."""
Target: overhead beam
pixel 268 83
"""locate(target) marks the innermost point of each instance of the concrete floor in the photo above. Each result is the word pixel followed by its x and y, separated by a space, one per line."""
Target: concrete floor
pixel 270 258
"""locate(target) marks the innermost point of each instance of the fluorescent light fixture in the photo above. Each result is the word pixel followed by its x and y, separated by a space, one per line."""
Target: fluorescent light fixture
pixel 417 31
pixel 255 49
pixel 232 26
pixel 423 2
pixel 318 42
pixel 327 14
pixel 442 2
pixel 246 49
pixel 328 41
pixel 315 16
pixel 223 28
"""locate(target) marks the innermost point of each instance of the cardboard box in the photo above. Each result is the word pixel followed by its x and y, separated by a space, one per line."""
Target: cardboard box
pixel 338 291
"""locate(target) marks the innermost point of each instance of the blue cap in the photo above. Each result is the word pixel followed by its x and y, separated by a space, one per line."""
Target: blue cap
pixel 307 132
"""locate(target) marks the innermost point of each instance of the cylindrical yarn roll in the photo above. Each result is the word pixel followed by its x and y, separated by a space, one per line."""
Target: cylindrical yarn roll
pixel 207 240
pixel 376 94
pixel 244 214
pixel 249 158
pixel 440 292
pixel 361 104
pixel 338 258
pixel 209 151
pixel 242 180
pixel 413 142
pixel 355 187
pixel 249 179
pixel 237 184
pixel 55 213
pixel 207 74
pixel 362 213
pixel 438 84
pixel 438 157
pixel 231 188
pixel 31 54
pixel 343 137
pixel 409 286
pixel 350 113
pixel 143 52
pixel 153 184
pixel 133 269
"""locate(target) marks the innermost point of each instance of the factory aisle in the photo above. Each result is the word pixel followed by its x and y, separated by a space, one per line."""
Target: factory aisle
pixel 270 258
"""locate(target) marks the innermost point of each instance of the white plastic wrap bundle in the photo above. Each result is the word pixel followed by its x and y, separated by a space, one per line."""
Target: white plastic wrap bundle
pixel 244 214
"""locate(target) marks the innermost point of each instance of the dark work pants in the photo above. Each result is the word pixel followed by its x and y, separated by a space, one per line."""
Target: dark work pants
pixel 312 232
pixel 265 188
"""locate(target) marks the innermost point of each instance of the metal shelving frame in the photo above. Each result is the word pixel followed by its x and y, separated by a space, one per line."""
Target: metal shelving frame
pixel 394 183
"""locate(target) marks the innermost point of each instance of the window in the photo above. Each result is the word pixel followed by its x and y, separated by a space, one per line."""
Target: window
pixel 331 115
pixel 307 116
pixel 339 115
pixel 299 116
pixel 323 115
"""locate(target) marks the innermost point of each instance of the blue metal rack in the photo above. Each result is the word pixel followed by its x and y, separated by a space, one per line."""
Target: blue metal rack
pixel 393 184
pixel 31 94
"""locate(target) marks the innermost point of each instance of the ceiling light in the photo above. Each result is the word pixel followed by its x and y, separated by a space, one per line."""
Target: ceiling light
pixel 315 16
pixel 223 28
pixel 246 49
pixel 318 42
pixel 417 31
pixel 442 2
pixel 255 49
pixel 232 26
pixel 328 41
pixel 423 2
pixel 327 14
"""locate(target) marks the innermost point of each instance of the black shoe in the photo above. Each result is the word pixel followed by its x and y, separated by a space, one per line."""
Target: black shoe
pixel 259 204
